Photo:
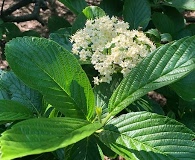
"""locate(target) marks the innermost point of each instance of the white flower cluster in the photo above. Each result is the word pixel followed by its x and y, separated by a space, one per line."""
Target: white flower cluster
pixel 110 47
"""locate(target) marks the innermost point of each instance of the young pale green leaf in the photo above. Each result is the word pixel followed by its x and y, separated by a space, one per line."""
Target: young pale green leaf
pixel 187 4
pixel 164 66
pixel 144 135
pixel 46 66
pixel 185 87
pixel 85 149
pixel 137 13
pixel 90 12
pixel 41 135
pixel 19 92
pixel 11 111
pixel 76 6
pixel 93 12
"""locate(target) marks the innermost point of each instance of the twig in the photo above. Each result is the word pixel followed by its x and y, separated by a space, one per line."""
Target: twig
pixel 16 6
pixel 7 17
pixel 2 6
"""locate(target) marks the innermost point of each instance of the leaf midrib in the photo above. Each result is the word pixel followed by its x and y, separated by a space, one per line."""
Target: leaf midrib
pixel 152 149
pixel 51 78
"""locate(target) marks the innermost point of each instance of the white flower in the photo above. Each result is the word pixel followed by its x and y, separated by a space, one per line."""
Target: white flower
pixel 110 47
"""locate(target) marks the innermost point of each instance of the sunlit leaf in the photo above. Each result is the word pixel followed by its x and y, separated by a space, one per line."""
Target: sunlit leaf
pixel 54 72
pixel 164 66
pixel 41 135
pixel 144 135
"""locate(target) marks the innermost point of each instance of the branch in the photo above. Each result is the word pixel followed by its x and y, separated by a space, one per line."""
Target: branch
pixel 7 17
pixel 16 6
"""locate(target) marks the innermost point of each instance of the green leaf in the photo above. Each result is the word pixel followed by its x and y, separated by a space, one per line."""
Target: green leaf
pixel 62 38
pixel 112 7
pixel 54 72
pixel 189 120
pixel 164 66
pixel 18 91
pixel 154 35
pixel 4 94
pixel 191 27
pixel 79 22
pixel 143 135
pixel 185 87
pixel 56 22
pixel 41 135
pixel 11 30
pixel 85 149
pixel 30 33
pixel 93 12
pixel 11 111
pixel 137 13
pixel 163 23
pixel 187 4
pixel 166 37
pixel 170 21
pixel 90 12
pixel 76 6
pixel 145 104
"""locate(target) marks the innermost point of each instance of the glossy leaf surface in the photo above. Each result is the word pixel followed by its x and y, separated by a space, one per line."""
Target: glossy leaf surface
pixel 137 13
pixel 144 135
pixel 54 72
pixel 164 66
pixel 18 91
pixel 84 149
pixel 11 111
pixel 40 135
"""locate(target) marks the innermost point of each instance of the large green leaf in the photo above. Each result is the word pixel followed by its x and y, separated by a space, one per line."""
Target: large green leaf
pixel 112 7
pixel 144 135
pixel 57 22
pixel 185 87
pixel 76 6
pixel 41 135
pixel 170 21
pixel 46 66
pixel 165 65
pixel 11 110
pixel 18 91
pixel 184 4
pixel 163 23
pixel 137 13
pixel 86 149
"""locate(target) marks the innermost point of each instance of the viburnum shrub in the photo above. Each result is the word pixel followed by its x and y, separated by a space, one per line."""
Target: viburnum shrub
pixel 50 109
pixel 110 46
